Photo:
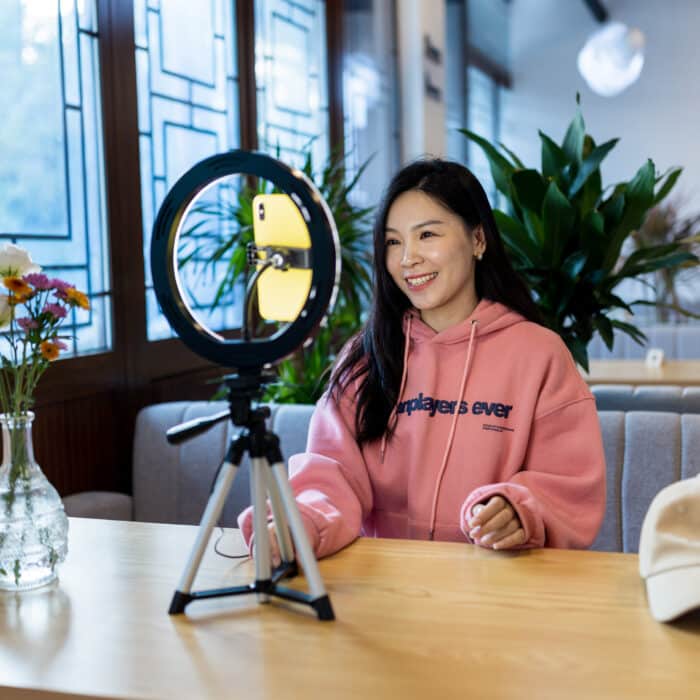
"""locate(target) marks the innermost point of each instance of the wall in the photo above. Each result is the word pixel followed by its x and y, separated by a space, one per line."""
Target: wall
pixel 422 116
pixel 656 117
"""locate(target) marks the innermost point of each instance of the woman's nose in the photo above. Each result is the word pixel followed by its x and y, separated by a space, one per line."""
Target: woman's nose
pixel 410 256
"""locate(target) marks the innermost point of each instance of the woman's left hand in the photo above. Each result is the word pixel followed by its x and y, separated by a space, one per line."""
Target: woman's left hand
pixel 496 525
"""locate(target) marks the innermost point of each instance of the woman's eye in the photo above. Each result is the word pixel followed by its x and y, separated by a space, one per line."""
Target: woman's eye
pixel 426 234
pixel 391 241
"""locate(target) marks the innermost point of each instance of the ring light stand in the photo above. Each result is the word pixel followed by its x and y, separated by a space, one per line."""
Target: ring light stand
pixel 251 358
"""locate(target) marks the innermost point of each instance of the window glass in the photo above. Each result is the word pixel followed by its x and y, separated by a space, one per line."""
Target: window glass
pixel 482 118
pixel 455 76
pixel 291 79
pixel 52 199
pixel 187 85
pixel 370 95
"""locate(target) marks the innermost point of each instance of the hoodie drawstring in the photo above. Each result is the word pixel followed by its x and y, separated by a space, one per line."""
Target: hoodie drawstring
pixel 402 386
pixel 450 438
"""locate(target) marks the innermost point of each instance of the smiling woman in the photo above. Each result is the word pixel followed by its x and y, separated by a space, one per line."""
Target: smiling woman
pixel 430 255
pixel 453 415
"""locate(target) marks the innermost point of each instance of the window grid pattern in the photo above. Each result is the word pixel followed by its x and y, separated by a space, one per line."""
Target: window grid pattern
pixel 57 44
pixel 291 79
pixel 188 111
pixel 370 97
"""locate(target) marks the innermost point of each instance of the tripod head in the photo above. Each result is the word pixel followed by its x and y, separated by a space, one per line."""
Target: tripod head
pixel 243 389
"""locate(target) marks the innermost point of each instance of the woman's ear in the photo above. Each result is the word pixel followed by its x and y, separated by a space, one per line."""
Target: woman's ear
pixel 479 240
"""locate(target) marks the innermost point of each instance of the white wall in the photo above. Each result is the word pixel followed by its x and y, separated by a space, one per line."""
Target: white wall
pixel 657 117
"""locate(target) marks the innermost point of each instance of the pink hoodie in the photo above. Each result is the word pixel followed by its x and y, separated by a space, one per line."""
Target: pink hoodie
pixel 493 405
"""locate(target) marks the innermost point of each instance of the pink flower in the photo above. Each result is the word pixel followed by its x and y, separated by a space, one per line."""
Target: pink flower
pixel 59 285
pixel 38 280
pixel 27 324
pixel 56 310
pixel 60 344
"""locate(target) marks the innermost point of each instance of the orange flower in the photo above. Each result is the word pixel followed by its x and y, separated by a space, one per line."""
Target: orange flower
pixel 77 298
pixel 18 286
pixel 49 350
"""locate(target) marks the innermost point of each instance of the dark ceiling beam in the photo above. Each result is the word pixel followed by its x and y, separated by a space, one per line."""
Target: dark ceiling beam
pixel 598 9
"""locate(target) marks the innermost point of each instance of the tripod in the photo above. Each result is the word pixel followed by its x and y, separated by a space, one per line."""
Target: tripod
pixel 268 478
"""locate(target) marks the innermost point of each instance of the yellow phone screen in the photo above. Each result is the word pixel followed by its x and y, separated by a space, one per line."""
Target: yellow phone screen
pixel 277 222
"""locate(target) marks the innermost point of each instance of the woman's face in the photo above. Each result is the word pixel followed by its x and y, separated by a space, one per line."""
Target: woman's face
pixel 430 255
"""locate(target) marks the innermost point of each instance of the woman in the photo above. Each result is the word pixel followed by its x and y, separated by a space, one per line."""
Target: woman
pixel 453 415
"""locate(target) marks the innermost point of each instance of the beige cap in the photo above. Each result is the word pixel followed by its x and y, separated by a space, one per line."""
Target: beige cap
pixel 669 550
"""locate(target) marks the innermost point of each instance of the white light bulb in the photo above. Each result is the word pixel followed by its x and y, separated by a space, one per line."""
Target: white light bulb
pixel 612 59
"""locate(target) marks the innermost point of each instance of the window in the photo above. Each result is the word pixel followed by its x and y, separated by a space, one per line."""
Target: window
pixel 52 198
pixel 476 76
pixel 188 110
pixel 291 80
pixel 370 96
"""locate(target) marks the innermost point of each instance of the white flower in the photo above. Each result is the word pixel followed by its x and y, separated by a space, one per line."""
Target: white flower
pixel 16 261
pixel 5 311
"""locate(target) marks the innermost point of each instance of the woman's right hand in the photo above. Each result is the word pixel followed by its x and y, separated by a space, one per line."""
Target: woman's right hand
pixel 275 555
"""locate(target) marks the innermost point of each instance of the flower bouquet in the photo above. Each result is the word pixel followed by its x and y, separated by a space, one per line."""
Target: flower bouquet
pixel 33 526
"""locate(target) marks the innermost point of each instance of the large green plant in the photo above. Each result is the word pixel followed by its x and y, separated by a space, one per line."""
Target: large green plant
pixel 564 233
pixel 223 228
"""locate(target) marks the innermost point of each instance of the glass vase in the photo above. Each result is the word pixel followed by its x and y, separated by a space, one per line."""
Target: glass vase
pixel 33 524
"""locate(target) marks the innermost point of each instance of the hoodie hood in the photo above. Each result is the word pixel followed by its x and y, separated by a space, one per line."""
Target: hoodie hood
pixel 490 317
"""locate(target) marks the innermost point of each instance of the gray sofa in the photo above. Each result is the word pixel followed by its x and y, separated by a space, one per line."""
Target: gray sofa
pixel 644 452
pixel 678 341
pixel 629 397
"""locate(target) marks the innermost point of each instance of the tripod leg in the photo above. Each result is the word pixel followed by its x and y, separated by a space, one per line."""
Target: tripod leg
pixel 284 538
pixel 258 493
pixel 305 554
pixel 211 515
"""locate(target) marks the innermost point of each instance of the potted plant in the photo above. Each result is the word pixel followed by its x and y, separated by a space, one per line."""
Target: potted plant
pixel 564 232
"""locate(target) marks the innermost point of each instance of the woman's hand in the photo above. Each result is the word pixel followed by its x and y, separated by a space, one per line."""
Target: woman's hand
pixel 275 555
pixel 496 525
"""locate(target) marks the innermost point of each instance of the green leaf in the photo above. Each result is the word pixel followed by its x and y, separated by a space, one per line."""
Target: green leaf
pixel 501 169
pixel 612 210
pixel 517 162
pixel 639 196
pixel 573 140
pixel 590 165
pixel 671 178
pixel 631 331
pixel 530 189
pixel 573 265
pixel 605 328
pixel 554 160
pixel 578 349
pixel 517 239
pixel 558 218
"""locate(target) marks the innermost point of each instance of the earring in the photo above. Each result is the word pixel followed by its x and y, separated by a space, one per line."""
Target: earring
pixel 479 256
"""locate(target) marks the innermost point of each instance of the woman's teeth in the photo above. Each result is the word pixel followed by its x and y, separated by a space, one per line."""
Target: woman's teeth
pixel 418 281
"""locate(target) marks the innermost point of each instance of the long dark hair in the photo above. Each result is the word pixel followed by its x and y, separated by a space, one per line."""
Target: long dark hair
pixel 373 357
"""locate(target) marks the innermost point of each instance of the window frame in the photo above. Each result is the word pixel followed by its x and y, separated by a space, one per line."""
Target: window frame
pixel 134 362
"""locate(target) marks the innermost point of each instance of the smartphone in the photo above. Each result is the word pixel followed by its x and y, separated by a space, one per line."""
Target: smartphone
pixel 277 222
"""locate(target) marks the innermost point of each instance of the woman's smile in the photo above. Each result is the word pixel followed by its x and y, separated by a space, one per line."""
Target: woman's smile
pixel 416 284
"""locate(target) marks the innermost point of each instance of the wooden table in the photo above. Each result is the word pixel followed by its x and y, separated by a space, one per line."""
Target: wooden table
pixel 683 372
pixel 415 620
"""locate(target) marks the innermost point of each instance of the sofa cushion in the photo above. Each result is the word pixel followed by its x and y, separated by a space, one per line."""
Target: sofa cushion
pixel 105 505
pixel 627 397
pixel 172 483
pixel 644 451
